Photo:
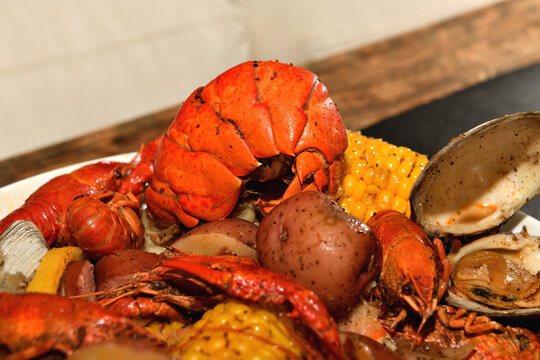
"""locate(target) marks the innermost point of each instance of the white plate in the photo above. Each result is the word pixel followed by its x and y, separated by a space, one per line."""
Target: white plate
pixel 13 195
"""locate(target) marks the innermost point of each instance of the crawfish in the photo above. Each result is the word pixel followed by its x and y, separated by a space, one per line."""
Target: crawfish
pixel 103 223
pixel 47 206
pixel 237 277
pixel 253 122
pixel 414 271
pixel 456 333
pixel 33 324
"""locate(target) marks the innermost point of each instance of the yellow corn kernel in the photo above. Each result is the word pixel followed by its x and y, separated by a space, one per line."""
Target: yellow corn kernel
pixel 358 209
pixel 391 162
pixel 405 187
pixel 372 189
pixel 384 199
pixel 404 168
pixel 369 213
pixel 369 175
pixel 415 172
pixel 358 166
pixel 421 161
pixel 348 184
pixel 399 204
pixel 359 190
pixel 393 183
pixel 383 176
pixel 346 202
pixel 385 149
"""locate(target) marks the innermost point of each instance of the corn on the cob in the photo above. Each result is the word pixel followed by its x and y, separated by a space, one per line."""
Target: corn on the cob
pixel 378 175
pixel 235 330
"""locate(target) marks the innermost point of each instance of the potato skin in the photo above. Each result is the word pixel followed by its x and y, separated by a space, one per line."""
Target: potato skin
pixel 239 229
pixel 311 239
pixel 230 236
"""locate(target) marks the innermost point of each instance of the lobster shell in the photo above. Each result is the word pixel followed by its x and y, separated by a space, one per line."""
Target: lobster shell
pixel 245 118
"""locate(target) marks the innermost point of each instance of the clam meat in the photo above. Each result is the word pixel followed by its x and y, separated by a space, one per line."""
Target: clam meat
pixel 500 271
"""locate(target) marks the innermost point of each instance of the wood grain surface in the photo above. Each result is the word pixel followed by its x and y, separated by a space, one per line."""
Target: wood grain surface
pixel 369 84
pixel 375 82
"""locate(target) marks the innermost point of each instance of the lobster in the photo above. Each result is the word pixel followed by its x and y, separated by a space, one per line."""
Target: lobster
pixel 257 121
pixel 414 271
pixel 35 324
pixel 47 206
pixel 237 277
pixel 105 222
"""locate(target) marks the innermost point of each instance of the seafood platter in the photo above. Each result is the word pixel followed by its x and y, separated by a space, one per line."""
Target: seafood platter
pixel 259 227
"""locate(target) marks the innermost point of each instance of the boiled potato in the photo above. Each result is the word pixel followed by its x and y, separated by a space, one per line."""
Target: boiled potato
pixel 311 239
pixel 228 236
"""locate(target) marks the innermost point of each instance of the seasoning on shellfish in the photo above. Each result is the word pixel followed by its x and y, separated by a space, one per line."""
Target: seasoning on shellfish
pixel 481 178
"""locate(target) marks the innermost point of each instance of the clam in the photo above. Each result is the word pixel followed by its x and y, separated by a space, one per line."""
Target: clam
pixel 481 178
pixel 22 246
pixel 498 275
pixel 468 190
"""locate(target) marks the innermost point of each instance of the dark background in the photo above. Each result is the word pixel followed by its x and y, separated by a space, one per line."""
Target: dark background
pixel 428 128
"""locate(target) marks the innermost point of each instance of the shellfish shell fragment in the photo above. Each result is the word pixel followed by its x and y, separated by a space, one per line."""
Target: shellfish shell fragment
pixel 22 246
pixel 481 178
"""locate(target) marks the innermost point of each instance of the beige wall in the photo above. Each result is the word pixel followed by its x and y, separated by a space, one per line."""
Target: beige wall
pixel 68 67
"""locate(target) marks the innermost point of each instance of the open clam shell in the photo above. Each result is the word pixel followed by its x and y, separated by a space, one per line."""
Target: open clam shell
pixel 22 246
pixel 497 275
pixel 481 178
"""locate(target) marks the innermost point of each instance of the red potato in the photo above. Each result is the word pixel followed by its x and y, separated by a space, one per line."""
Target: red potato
pixel 115 269
pixel 78 279
pixel 228 236
pixel 310 238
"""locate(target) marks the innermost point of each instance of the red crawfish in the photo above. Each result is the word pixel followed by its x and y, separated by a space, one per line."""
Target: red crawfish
pixel 47 206
pixel 237 277
pixel 414 271
pixel 103 223
pixel 258 121
pixel 34 324
pixel 459 334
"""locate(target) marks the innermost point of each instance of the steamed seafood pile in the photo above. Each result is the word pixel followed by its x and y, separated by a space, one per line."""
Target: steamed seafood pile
pixel 257 226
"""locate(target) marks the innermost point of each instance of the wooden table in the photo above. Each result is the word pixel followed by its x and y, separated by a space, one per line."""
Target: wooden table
pixel 369 84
